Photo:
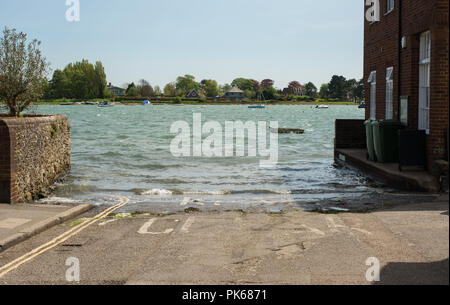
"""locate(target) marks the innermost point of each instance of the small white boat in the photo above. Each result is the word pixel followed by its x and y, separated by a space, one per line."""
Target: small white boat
pixel 322 107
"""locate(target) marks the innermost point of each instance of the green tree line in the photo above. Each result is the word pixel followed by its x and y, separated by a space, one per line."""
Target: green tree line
pixel 81 80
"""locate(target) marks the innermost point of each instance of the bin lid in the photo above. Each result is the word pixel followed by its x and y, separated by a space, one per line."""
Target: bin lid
pixel 368 122
pixel 389 123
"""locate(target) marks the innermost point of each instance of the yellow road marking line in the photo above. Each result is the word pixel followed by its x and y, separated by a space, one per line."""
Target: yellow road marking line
pixel 58 240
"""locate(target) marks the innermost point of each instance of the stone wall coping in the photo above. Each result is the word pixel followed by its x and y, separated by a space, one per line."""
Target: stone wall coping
pixel 35 119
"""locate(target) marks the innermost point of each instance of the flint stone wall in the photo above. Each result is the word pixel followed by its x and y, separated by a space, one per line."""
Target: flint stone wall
pixel 34 154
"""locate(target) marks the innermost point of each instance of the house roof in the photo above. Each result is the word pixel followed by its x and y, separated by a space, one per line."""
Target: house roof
pixel 192 91
pixel 235 89
pixel 112 87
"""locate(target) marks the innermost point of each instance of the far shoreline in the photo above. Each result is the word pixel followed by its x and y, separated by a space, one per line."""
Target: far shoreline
pixel 201 103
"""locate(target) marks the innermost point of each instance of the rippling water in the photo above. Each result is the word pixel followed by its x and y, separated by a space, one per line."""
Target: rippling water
pixel 124 151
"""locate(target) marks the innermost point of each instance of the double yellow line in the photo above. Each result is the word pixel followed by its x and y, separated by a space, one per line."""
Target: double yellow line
pixel 58 240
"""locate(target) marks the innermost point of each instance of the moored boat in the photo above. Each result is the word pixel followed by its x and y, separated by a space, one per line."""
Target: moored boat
pixel 105 104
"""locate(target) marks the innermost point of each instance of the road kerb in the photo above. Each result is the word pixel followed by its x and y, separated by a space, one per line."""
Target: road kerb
pixel 43 225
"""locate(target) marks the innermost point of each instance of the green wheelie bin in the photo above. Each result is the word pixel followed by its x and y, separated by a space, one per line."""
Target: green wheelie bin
pixel 369 140
pixel 385 139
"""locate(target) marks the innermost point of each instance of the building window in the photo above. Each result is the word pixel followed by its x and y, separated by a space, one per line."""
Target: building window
pixel 389 93
pixel 390 6
pixel 424 82
pixel 373 94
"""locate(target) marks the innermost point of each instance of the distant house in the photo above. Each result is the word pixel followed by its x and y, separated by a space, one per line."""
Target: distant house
pixel 193 94
pixel 115 90
pixel 234 94
pixel 294 90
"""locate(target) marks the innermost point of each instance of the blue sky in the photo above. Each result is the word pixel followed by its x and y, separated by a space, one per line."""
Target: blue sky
pixel 158 40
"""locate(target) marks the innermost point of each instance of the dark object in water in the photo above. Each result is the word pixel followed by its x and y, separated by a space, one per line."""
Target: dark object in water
pixel 105 104
pixel 287 130
pixel 362 105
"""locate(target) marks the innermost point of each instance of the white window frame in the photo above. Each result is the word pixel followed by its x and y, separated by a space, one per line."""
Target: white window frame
pixel 424 81
pixel 390 4
pixel 389 93
pixel 373 94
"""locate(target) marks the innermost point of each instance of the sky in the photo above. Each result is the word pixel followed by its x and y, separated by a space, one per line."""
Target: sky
pixel 159 40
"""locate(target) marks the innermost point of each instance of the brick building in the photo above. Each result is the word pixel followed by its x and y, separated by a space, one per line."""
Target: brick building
pixel 406 63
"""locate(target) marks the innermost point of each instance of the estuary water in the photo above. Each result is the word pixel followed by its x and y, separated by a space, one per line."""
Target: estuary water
pixel 124 151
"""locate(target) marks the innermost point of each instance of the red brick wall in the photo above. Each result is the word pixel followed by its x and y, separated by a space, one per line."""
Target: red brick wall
pixel 380 52
pixel 5 164
pixel 439 82
pixel 381 45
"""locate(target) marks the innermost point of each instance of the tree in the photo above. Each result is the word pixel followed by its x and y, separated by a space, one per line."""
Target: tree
pixel 157 91
pixel 249 94
pixel 22 71
pixel 133 92
pixel 100 78
pixel 350 87
pixel 170 90
pixel 256 85
pixel 224 88
pixel 358 91
pixel 185 84
pixel 267 83
pixel 59 85
pixel 82 80
pixel 324 92
pixel 79 80
pixel 130 86
pixel 209 87
pixel 310 89
pixel 337 87
pixel 244 84
pixel 269 93
pixel 145 89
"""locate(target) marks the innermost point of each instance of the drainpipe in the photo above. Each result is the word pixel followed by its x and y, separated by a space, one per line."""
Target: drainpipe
pixel 399 73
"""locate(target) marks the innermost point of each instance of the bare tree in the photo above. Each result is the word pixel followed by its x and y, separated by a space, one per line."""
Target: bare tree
pixel 145 89
pixel 22 71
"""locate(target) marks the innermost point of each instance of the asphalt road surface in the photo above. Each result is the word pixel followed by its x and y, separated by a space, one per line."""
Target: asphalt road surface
pixel 410 242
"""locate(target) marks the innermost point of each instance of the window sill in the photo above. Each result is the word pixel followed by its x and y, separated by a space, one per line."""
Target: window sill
pixel 388 12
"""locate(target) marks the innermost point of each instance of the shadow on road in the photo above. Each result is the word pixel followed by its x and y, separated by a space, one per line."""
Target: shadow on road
pixel 435 273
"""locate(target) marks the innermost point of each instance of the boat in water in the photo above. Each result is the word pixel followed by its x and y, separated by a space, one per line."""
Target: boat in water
pixel 257 107
pixel 105 104
pixel 322 107
pixel 362 105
